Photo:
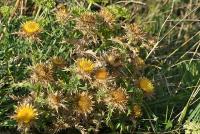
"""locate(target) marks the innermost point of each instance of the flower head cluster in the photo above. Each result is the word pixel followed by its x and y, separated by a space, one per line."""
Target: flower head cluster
pixel 101 80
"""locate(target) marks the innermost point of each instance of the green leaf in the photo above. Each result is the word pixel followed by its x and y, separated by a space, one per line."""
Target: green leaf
pixel 119 11
pixel 49 4
pixel 168 125
pixel 96 1
pixel 6 10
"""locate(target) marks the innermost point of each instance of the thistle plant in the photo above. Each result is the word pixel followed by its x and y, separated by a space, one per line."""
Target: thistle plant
pixel 100 72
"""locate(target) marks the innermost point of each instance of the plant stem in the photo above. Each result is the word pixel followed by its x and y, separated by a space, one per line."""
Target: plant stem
pixel 38 11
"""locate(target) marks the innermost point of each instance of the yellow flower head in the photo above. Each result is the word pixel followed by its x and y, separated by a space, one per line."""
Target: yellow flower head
pixel 137 111
pixel 25 113
pixel 31 27
pixel 84 103
pixel 101 74
pixel 117 99
pixel 146 85
pixel 85 65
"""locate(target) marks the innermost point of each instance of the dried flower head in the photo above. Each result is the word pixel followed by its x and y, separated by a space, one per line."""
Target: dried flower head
pixel 87 20
pixel 134 32
pixel 138 63
pixel 85 65
pixel 58 61
pixel 118 99
pixel 101 74
pixel 151 41
pixel 137 111
pixel 84 103
pixel 87 25
pixel 58 125
pixel 62 14
pixel 42 73
pixel 31 27
pixel 107 16
pixel 55 101
pixel 146 85
pixel 102 80
pixel 25 113
pixel 114 60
